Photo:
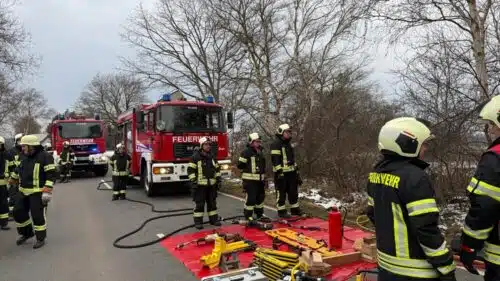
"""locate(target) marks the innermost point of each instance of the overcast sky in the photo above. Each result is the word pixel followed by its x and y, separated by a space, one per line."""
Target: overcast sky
pixel 79 38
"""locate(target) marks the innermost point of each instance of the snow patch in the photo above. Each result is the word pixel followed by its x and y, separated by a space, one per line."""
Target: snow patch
pixel 315 196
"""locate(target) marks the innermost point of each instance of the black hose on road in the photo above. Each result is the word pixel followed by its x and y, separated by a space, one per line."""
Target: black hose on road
pixel 183 212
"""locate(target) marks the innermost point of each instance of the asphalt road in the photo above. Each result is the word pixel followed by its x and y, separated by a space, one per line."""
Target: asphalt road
pixel 82 225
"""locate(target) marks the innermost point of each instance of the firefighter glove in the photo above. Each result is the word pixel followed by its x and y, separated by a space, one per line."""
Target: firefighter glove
pixel 467 257
pixel 448 277
pixel 46 197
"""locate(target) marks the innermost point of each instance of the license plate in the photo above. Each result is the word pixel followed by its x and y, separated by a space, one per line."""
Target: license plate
pixel 81 158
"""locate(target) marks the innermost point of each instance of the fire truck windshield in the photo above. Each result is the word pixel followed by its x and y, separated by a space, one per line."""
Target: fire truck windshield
pixel 80 130
pixel 190 119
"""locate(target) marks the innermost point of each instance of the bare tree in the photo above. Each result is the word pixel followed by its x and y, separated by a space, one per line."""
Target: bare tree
pixel 248 54
pixel 14 58
pixel 110 95
pixel 31 106
pixel 180 46
pixel 470 20
pixel 27 125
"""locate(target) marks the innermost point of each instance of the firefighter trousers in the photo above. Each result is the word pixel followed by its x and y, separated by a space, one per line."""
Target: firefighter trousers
pixel 287 187
pixel 254 202
pixel 26 204
pixel 13 190
pixel 4 205
pixel 120 186
pixel 205 194
pixel 492 272
pixel 65 170
pixel 384 275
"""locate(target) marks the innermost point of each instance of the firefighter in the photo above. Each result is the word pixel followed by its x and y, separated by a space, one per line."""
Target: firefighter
pixel 120 163
pixel 402 206
pixel 36 174
pixel 481 229
pixel 204 173
pixel 253 166
pixel 286 174
pixel 4 193
pixel 15 155
pixel 65 162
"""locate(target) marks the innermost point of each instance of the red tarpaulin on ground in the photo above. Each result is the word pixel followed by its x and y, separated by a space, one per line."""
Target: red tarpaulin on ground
pixel 190 255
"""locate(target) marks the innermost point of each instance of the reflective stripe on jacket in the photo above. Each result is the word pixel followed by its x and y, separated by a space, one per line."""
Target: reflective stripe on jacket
pixel 403 208
pixel 481 223
pixel 252 165
pixel 282 156
pixel 203 169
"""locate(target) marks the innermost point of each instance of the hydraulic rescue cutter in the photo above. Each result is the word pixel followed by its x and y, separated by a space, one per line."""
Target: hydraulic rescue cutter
pixel 254 224
pixel 222 249
pixel 210 238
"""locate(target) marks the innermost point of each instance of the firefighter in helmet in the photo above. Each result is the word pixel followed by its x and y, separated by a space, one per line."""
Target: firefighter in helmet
pixel 286 174
pixel 66 161
pixel 403 208
pixel 36 174
pixel 252 164
pixel 4 193
pixel 15 155
pixel 120 163
pixel 481 227
pixel 205 177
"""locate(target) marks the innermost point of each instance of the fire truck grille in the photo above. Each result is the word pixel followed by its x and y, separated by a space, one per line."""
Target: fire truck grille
pixel 185 150
pixel 84 148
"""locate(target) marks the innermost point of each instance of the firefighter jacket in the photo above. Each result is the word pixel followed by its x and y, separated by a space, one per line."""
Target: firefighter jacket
pixel 35 172
pixel 481 223
pixel 203 169
pixel 15 155
pixel 67 156
pixel 120 163
pixel 252 164
pixel 4 168
pixel 403 208
pixel 282 156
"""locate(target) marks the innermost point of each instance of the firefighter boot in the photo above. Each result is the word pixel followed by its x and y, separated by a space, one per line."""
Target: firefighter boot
pixel 198 222
pixel 115 197
pixel 23 239
pixel 63 179
pixel 214 220
pixel 296 212
pixel 38 244
pixel 248 214
pixel 283 214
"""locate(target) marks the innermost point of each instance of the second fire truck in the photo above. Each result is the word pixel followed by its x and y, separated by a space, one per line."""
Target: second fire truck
pixel 161 137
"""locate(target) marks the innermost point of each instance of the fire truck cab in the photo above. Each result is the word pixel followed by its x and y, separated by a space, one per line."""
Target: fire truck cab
pixel 161 138
pixel 87 139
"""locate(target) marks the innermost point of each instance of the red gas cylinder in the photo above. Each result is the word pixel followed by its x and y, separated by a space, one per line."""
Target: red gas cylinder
pixel 335 228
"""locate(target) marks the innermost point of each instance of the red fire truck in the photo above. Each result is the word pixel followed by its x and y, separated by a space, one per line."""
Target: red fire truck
pixel 161 137
pixel 87 138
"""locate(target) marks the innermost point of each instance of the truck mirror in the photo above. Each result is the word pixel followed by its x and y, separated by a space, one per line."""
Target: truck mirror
pixel 230 123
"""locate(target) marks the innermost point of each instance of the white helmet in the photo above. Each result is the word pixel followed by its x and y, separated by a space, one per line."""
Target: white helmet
pixel 253 136
pixel 2 140
pixel 203 140
pixel 282 128
pixel 490 111
pixel 119 145
pixel 404 136
pixel 18 137
pixel 65 143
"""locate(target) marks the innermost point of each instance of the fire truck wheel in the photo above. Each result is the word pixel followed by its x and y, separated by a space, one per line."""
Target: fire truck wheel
pixel 149 188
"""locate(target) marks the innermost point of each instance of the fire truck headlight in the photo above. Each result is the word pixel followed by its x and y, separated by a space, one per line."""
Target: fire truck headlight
pixel 104 158
pixel 162 170
pixel 224 167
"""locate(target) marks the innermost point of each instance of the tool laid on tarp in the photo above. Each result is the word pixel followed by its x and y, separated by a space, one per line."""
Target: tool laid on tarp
pixel 222 249
pixel 310 228
pixel 247 274
pixel 300 241
pixel 210 238
pixel 254 224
